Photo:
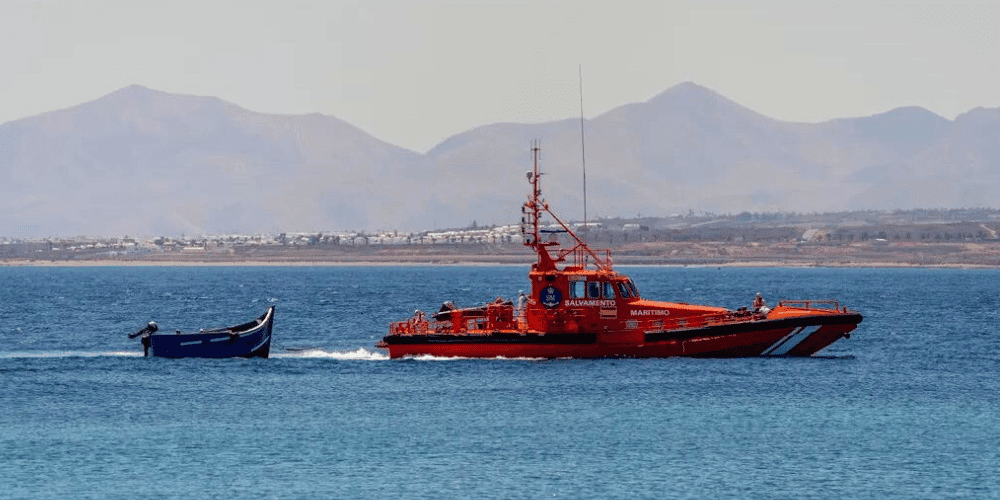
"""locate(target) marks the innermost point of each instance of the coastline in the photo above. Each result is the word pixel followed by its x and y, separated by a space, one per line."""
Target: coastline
pixel 480 262
pixel 243 263
pixel 951 255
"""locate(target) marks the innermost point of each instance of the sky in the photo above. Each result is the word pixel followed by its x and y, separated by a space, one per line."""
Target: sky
pixel 413 73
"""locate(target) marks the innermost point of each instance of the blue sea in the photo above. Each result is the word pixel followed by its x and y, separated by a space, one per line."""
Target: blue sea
pixel 907 408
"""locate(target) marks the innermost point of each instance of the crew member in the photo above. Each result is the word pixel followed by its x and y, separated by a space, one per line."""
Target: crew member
pixel 759 306
pixel 522 301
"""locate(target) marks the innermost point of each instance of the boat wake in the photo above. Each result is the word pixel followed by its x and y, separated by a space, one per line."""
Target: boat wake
pixel 69 354
pixel 360 354
pixel 429 357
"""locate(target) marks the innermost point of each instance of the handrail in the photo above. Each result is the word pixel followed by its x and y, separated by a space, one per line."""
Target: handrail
pixel 497 316
pixel 808 304
pixel 702 321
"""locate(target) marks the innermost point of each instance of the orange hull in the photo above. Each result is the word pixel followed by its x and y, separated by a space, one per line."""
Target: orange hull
pixel 797 336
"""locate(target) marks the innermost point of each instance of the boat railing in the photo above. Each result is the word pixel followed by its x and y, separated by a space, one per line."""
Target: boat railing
pixel 706 320
pixel 411 326
pixel 583 255
pixel 828 304
pixel 740 316
pixel 521 318
pixel 498 315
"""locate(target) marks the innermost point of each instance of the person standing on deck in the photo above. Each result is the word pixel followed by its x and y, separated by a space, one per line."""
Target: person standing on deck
pixel 522 302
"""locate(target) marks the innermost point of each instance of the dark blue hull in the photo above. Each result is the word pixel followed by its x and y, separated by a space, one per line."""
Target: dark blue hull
pixel 249 340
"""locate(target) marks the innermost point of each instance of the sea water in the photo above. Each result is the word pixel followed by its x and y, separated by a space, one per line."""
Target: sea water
pixel 906 408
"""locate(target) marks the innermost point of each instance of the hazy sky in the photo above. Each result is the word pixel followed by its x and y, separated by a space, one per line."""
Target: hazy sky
pixel 414 73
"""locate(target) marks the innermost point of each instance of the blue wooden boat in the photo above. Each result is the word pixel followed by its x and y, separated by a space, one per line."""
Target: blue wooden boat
pixel 249 340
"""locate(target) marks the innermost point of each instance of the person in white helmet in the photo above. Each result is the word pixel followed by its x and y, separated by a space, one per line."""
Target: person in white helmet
pixel 759 306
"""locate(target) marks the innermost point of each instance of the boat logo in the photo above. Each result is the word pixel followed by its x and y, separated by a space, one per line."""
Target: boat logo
pixel 550 297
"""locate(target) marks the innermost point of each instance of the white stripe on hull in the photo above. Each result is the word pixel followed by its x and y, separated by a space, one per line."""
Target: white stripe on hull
pixel 788 342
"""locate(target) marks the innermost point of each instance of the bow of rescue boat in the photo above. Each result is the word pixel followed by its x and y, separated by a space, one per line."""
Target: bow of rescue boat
pixel 813 326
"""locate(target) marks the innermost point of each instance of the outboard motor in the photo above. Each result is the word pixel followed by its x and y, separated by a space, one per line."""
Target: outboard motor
pixel 151 327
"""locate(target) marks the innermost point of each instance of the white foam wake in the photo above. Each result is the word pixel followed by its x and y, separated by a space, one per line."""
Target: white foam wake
pixel 360 354
pixel 68 354
pixel 428 357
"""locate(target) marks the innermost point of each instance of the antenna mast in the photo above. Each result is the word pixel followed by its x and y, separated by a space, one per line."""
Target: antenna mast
pixel 531 211
pixel 531 214
pixel 583 154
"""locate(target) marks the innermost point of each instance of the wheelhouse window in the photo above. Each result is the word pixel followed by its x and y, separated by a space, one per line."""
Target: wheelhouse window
pixel 609 289
pixel 594 289
pixel 577 289
pixel 633 289
pixel 624 290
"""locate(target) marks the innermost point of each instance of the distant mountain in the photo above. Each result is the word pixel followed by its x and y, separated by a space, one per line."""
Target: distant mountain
pixel 691 148
pixel 937 164
pixel 140 161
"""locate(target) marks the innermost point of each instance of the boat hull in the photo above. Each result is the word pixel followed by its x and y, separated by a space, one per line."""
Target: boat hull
pixel 251 340
pixel 800 336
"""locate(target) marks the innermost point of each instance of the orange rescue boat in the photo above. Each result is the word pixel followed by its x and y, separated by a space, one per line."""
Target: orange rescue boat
pixel 580 307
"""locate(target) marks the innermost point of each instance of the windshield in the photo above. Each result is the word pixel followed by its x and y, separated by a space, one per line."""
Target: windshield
pixel 632 288
pixel 624 290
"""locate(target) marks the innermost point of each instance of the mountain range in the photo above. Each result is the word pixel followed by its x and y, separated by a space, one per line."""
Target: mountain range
pixel 144 162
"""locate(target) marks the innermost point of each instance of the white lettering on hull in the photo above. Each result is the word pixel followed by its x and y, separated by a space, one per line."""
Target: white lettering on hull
pixel 651 312
pixel 589 303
